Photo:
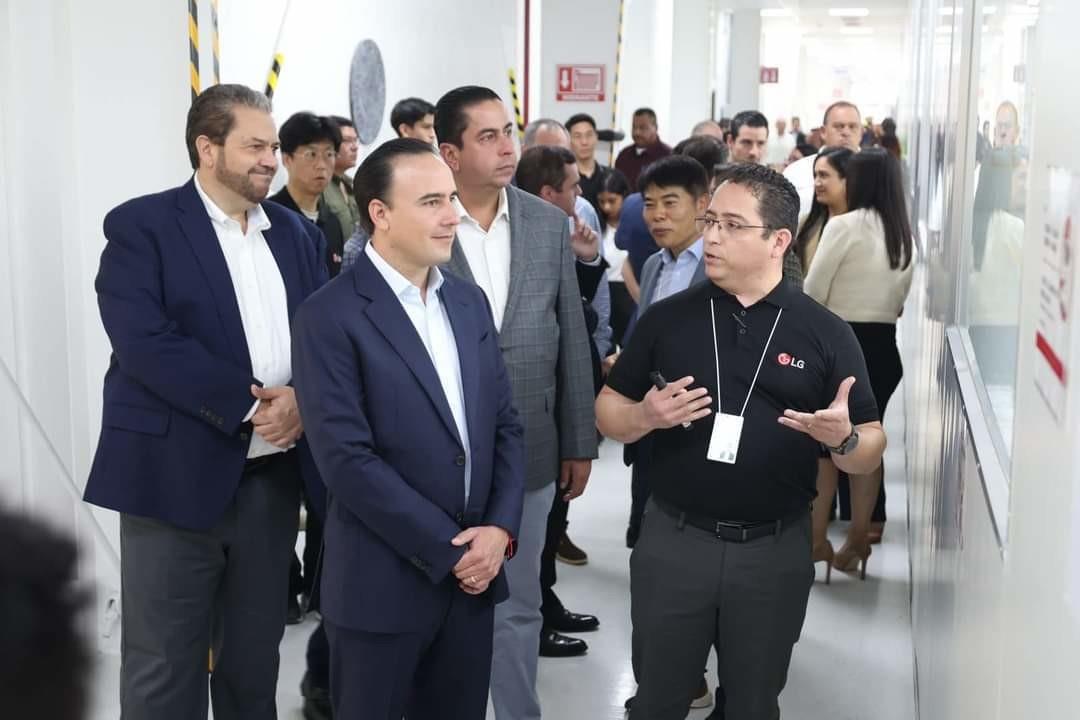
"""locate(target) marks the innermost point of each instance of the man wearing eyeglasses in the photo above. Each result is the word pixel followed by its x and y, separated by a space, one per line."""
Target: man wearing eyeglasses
pixel 759 376
pixel 309 147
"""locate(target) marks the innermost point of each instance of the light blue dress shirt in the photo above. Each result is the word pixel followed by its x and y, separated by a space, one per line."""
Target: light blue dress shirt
pixel 676 273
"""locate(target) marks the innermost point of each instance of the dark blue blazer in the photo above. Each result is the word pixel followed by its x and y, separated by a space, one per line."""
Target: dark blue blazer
pixel 389 452
pixel 173 442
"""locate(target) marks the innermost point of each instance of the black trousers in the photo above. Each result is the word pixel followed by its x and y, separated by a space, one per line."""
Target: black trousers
pixel 439 672
pixel 550 605
pixel 622 308
pixel 303 580
pixel 690 591
pixel 878 343
pixel 185 590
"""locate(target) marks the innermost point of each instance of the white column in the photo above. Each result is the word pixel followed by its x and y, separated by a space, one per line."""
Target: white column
pixel 745 61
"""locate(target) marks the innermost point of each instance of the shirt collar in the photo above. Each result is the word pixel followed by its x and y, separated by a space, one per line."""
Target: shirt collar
pixel 695 251
pixel 256 216
pixel 399 284
pixel 502 212
pixel 780 296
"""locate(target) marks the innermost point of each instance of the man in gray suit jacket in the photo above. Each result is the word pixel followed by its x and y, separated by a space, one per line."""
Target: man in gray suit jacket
pixel 517 249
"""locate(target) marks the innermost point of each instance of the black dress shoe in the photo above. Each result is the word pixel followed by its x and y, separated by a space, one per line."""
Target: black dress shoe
pixel 316 700
pixel 552 644
pixel 569 622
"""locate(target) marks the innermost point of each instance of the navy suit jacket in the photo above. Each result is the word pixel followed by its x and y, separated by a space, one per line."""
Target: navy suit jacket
pixel 388 450
pixel 173 442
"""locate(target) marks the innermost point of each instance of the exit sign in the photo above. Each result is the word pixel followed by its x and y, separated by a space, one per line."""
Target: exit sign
pixel 770 75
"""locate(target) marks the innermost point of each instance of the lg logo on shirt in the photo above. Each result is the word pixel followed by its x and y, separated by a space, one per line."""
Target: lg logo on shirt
pixel 790 361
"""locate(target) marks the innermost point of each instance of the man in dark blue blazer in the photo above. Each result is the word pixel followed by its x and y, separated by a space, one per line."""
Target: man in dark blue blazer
pixel 407 406
pixel 200 448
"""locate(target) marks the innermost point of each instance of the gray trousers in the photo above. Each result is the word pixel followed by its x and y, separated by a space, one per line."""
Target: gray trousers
pixel 689 590
pixel 517 619
pixel 184 591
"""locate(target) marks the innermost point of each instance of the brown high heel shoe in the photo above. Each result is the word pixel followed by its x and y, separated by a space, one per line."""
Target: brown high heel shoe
pixel 824 553
pixel 850 559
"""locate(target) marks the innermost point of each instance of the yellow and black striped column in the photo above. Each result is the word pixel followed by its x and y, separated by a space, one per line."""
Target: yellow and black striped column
pixel 615 80
pixel 216 41
pixel 193 46
pixel 275 72
pixel 518 118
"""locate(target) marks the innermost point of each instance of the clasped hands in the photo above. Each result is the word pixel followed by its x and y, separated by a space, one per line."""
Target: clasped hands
pixel 483 558
pixel 277 419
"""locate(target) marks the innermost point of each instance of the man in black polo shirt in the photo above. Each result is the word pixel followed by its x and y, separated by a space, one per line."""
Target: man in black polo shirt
pixel 724 552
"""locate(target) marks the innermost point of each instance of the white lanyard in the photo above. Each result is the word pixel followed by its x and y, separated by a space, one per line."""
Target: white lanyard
pixel 716 351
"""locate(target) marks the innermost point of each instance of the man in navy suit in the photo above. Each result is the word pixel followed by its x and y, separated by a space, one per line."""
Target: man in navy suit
pixel 408 408
pixel 201 449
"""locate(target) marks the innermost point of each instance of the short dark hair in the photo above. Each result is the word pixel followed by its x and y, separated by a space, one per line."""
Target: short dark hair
pixel 680 171
pixel 211 114
pixel 543 165
pixel 409 112
pixel 616 182
pixel 648 112
pixel 748 118
pixel 706 149
pixel 341 121
pixel 874 182
pixel 580 118
pixel 839 104
pixel 375 176
pixel 451 118
pixel 45 666
pixel 888 126
pixel 304 128
pixel 778 201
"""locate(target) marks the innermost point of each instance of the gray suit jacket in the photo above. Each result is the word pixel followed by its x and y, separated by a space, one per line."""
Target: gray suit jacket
pixel 543 338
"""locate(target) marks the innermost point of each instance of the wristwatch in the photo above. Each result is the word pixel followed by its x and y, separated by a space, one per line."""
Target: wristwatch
pixel 850 443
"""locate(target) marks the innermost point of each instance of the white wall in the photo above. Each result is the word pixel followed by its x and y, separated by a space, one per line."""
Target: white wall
pixel 425 50
pixel 573 32
pixel 85 124
pixel 1041 622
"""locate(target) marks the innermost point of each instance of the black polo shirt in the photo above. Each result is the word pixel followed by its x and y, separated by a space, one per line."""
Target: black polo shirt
pixel 811 352
pixel 591 187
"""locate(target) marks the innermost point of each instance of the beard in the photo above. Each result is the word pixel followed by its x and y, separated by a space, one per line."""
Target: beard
pixel 240 182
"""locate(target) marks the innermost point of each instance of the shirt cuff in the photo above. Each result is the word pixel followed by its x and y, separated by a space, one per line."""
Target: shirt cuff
pixel 251 412
pixel 594 262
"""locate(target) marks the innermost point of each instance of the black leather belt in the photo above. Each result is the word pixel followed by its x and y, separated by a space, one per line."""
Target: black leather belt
pixel 738 532
pixel 263 460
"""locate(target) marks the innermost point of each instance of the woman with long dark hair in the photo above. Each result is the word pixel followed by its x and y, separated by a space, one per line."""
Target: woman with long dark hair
pixel 830 199
pixel 610 198
pixel 862 272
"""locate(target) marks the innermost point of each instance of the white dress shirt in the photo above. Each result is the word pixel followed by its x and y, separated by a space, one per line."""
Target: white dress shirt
pixel 801 174
pixel 433 326
pixel 260 295
pixel 488 253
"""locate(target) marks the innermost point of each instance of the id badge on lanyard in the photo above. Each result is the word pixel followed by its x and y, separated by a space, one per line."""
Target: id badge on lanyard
pixel 727 428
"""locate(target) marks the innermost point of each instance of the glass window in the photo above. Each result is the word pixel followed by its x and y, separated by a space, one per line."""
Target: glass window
pixel 1004 107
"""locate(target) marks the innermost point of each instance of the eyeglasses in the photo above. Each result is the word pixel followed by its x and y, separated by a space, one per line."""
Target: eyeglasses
pixel 726 227
pixel 311 155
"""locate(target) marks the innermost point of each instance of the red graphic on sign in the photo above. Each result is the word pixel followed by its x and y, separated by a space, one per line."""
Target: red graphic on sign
pixel 770 75
pixel 784 359
pixel 579 83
